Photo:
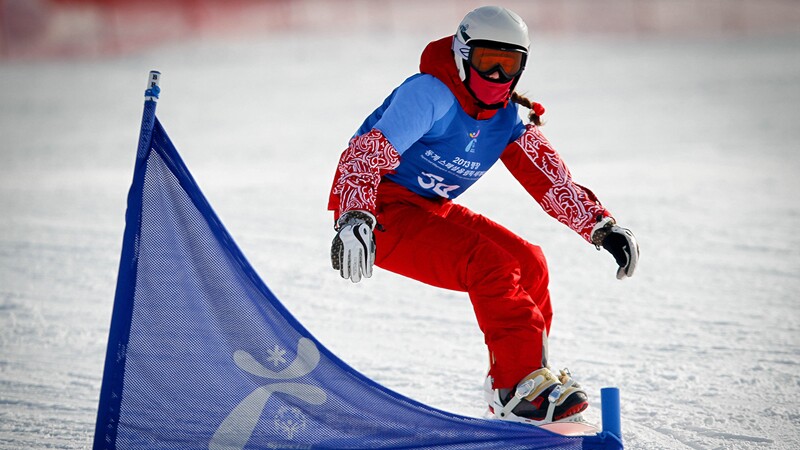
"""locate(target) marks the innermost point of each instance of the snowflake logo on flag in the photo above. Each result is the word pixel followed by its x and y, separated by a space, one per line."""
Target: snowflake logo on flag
pixel 236 429
pixel 276 356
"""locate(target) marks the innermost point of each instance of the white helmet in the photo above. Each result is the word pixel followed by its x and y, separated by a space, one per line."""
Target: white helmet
pixel 493 24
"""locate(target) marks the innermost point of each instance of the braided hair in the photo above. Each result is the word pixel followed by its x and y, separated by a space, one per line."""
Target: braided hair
pixel 536 109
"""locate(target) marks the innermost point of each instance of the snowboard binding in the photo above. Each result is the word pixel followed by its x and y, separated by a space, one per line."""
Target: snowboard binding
pixel 539 399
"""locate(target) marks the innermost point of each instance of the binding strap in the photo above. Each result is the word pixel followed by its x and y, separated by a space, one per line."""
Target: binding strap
pixel 539 381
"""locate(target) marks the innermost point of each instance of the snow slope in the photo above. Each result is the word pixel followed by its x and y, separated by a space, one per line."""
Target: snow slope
pixel 693 144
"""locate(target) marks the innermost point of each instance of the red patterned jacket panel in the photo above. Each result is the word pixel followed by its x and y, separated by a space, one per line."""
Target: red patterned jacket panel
pixel 361 166
pixel 539 169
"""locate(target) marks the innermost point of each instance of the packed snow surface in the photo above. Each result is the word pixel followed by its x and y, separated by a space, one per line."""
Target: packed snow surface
pixel 691 143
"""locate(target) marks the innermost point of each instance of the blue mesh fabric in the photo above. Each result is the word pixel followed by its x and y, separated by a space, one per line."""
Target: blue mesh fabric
pixel 202 355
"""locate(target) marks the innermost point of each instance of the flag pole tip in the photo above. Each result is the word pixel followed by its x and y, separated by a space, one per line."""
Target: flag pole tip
pixel 151 94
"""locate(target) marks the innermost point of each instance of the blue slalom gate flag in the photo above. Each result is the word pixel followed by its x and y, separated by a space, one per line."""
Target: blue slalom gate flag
pixel 202 355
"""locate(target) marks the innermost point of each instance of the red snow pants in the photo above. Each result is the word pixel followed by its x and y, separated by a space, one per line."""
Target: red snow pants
pixel 446 245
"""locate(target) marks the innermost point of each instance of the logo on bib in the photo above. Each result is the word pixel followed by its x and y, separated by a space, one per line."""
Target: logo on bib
pixel 470 148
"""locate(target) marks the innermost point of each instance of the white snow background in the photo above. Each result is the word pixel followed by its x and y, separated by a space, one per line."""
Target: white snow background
pixel 692 143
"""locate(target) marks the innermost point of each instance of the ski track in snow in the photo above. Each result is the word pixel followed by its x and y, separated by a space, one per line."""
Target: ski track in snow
pixel 692 143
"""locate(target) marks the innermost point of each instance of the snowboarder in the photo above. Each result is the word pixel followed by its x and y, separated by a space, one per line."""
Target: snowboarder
pixel 431 139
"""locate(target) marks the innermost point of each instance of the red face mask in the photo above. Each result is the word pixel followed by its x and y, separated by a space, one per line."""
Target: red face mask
pixel 487 91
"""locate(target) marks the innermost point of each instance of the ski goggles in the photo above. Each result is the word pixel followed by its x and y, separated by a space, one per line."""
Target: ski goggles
pixel 487 57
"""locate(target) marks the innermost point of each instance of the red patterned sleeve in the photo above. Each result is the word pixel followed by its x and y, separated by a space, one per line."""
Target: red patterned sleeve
pixel 540 170
pixel 361 166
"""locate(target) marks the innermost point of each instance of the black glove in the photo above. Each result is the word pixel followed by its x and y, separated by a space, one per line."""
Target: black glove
pixel 621 243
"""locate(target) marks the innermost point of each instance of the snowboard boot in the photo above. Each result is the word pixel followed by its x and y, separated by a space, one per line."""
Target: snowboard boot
pixel 540 398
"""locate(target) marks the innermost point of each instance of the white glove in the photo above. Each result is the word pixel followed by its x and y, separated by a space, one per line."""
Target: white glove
pixel 620 242
pixel 353 249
